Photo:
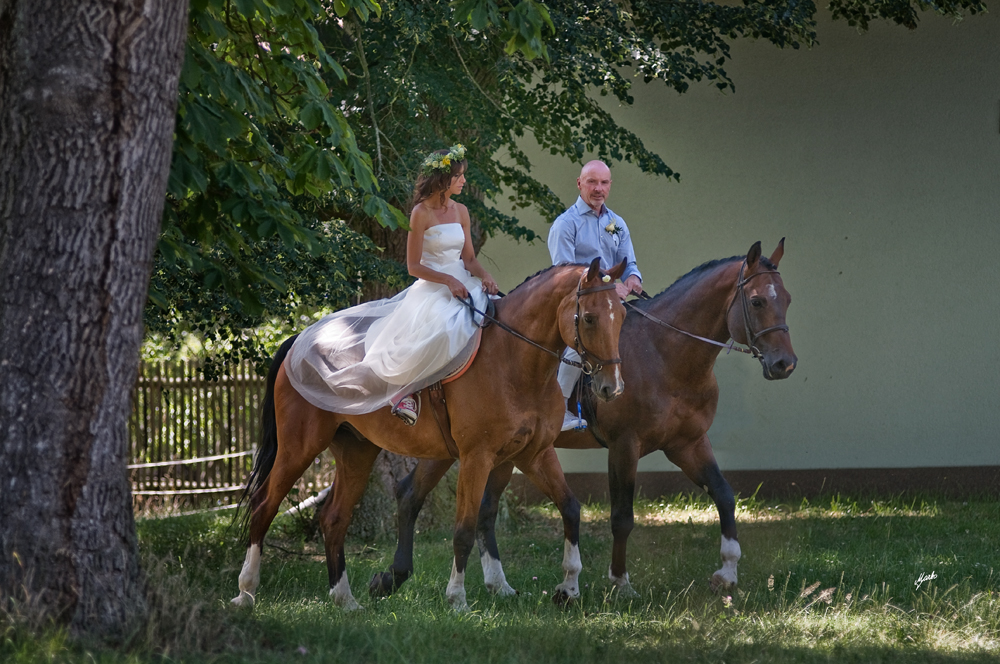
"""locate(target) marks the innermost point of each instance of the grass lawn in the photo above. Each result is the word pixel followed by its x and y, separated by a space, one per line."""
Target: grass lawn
pixel 836 579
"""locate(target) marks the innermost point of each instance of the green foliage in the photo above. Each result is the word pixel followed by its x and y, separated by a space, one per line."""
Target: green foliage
pixel 259 152
pixel 524 23
pixel 302 124
pixel 860 13
pixel 326 280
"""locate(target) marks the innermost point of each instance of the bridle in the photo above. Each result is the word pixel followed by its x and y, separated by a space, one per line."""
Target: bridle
pixel 741 291
pixel 750 335
pixel 585 364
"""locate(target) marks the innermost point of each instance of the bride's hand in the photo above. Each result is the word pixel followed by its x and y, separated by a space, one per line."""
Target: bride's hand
pixel 490 286
pixel 458 289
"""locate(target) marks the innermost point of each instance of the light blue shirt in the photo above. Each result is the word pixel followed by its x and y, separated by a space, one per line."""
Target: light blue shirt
pixel 579 235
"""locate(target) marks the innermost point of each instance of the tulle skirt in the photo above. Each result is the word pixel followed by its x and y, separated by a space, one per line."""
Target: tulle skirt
pixel 367 357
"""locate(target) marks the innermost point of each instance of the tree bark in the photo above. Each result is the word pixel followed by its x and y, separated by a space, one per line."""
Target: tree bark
pixel 88 94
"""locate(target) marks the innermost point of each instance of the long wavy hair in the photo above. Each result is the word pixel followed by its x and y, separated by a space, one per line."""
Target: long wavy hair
pixel 437 181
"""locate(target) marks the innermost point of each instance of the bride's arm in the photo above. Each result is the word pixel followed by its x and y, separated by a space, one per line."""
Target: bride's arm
pixel 472 263
pixel 414 250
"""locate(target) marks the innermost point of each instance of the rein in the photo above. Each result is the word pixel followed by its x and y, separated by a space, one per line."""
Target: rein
pixel 656 320
pixel 585 365
pixel 751 336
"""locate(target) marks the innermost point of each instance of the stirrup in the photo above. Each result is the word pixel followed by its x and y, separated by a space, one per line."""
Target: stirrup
pixel 408 409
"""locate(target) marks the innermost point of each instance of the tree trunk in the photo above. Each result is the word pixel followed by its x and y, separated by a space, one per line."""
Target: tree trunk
pixel 88 94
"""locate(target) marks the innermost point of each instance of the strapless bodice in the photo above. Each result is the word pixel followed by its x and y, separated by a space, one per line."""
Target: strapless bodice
pixel 442 244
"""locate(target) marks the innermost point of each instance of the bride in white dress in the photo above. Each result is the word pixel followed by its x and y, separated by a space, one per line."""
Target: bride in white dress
pixel 379 353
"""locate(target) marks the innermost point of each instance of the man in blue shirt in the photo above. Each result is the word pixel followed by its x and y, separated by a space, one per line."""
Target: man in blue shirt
pixel 587 230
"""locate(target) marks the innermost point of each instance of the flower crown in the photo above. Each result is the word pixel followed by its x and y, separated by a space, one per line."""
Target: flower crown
pixel 442 162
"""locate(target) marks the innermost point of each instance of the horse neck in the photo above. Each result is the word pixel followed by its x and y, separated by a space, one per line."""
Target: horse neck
pixel 532 309
pixel 700 308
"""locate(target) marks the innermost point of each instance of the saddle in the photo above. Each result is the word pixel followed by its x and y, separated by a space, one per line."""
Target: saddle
pixel 435 392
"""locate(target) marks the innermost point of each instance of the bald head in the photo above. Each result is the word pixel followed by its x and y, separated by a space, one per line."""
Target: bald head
pixel 594 184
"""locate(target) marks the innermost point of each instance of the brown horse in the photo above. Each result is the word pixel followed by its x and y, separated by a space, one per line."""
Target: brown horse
pixel 506 408
pixel 669 347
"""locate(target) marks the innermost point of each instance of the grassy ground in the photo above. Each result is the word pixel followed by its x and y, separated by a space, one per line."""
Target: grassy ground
pixel 832 580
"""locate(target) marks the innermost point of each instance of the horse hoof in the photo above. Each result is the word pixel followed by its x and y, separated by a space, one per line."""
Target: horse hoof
pixel 351 605
pixel 243 601
pixel 720 582
pixel 503 590
pixel 563 598
pixel 624 590
pixel 382 585
pixel 456 599
pixel 459 606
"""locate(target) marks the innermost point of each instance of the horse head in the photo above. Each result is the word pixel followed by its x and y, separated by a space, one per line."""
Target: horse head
pixel 590 321
pixel 756 316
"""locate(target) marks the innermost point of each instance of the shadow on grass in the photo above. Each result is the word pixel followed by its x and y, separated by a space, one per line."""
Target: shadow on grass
pixel 831 580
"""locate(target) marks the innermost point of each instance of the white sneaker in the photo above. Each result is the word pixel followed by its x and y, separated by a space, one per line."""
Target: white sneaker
pixel 571 421
pixel 408 409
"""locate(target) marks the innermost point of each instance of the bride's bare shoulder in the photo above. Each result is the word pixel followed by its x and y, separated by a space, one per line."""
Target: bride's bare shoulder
pixel 420 217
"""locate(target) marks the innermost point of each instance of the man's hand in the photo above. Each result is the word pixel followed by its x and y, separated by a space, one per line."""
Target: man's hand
pixel 630 285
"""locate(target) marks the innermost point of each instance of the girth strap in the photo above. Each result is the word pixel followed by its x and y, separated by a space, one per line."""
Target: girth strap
pixel 439 407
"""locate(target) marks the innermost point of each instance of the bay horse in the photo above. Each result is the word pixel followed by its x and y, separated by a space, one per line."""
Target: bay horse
pixel 506 408
pixel 669 345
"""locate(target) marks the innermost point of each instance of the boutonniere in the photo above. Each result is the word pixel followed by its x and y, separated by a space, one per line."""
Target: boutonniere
pixel 613 228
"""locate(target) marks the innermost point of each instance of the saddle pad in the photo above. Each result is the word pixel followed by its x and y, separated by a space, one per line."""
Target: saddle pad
pixel 455 375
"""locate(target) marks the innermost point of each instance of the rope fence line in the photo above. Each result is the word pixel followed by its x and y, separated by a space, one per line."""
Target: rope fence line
pixel 189 492
pixel 146 381
pixel 181 462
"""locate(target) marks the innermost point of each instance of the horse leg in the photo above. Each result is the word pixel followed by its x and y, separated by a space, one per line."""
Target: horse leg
pixel 698 463
pixel 486 538
pixel 355 459
pixel 288 467
pixel 546 473
pixel 472 475
pixel 623 459
pixel 410 495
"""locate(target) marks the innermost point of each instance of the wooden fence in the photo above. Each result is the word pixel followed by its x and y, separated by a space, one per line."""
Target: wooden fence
pixel 191 437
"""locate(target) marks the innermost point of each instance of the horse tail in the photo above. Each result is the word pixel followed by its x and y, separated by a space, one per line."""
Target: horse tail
pixel 267 450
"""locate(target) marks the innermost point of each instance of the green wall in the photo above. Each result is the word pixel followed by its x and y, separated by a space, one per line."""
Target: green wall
pixel 878 157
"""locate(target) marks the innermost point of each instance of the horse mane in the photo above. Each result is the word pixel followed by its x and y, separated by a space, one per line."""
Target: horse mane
pixel 543 271
pixel 687 280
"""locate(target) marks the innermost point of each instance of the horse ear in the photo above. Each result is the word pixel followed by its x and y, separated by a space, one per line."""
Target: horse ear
pixel 753 254
pixel 618 270
pixel 778 253
pixel 594 272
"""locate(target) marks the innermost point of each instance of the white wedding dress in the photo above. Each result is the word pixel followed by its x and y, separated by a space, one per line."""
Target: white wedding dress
pixel 367 357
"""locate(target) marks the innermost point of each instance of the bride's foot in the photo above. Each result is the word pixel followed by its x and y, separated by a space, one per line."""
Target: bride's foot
pixel 407 409
pixel 571 421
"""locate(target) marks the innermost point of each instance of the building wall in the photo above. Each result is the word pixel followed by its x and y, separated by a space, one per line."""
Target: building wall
pixel 878 157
